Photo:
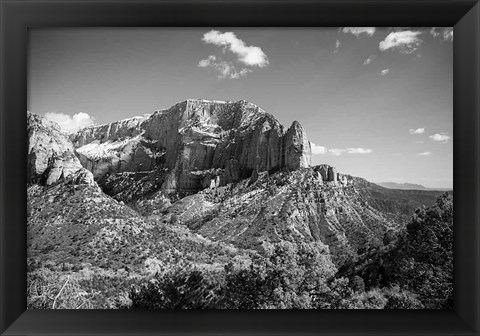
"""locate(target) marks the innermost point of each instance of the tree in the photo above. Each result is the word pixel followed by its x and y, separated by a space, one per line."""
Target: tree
pixel 423 260
pixel 247 288
pixel 288 277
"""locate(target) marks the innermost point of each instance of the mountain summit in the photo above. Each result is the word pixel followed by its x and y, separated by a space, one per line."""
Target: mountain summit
pixel 197 143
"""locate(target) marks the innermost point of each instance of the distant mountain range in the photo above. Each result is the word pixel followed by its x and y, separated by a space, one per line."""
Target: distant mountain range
pixel 408 186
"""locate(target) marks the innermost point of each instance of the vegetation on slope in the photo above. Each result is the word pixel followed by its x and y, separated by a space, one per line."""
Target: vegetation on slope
pixel 414 271
pixel 87 250
pixel 418 260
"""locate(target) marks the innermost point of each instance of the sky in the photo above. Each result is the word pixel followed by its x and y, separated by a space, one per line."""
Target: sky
pixel 375 102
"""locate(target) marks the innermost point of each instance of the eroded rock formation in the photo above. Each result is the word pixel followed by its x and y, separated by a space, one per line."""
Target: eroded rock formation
pixel 297 147
pixel 51 155
pixel 201 143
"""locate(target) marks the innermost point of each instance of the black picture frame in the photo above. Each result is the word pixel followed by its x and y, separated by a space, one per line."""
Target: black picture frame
pixel 17 16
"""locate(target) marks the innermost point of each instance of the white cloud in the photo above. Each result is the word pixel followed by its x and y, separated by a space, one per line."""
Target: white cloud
pixel 420 130
pixel 336 151
pixel 359 150
pixel 225 69
pixel 357 31
pixel 337 47
pixel 248 55
pixel 68 123
pixel 406 41
pixel 318 150
pixel 322 150
pixel 445 34
pixel 369 59
pixel 207 62
pixel 440 137
pixel 425 154
pixel 384 72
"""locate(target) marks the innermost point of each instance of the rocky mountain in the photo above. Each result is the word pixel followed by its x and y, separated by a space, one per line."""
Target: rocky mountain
pixel 203 182
pixel 228 171
pixel 196 143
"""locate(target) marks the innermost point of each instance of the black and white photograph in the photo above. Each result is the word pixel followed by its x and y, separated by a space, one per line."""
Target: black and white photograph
pixel 240 168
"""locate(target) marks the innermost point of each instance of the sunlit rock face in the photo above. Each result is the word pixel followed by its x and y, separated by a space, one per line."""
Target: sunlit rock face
pixel 51 154
pixel 297 147
pixel 200 143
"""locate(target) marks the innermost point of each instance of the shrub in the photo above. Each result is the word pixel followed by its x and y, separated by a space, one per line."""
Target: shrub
pixel 336 295
pixel 401 299
pixel 373 299
pixel 182 288
pixel 358 285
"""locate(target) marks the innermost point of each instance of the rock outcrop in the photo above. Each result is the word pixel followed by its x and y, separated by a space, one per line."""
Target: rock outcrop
pixel 201 143
pixel 51 155
pixel 297 148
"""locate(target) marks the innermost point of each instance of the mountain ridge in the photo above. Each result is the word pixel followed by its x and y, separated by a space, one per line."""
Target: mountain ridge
pixel 201 182
pixel 408 186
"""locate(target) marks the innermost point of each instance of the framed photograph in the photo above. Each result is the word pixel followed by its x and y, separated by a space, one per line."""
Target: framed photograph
pixel 207 167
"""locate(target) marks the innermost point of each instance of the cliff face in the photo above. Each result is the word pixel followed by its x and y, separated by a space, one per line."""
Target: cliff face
pixel 200 143
pixel 297 148
pixel 51 155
